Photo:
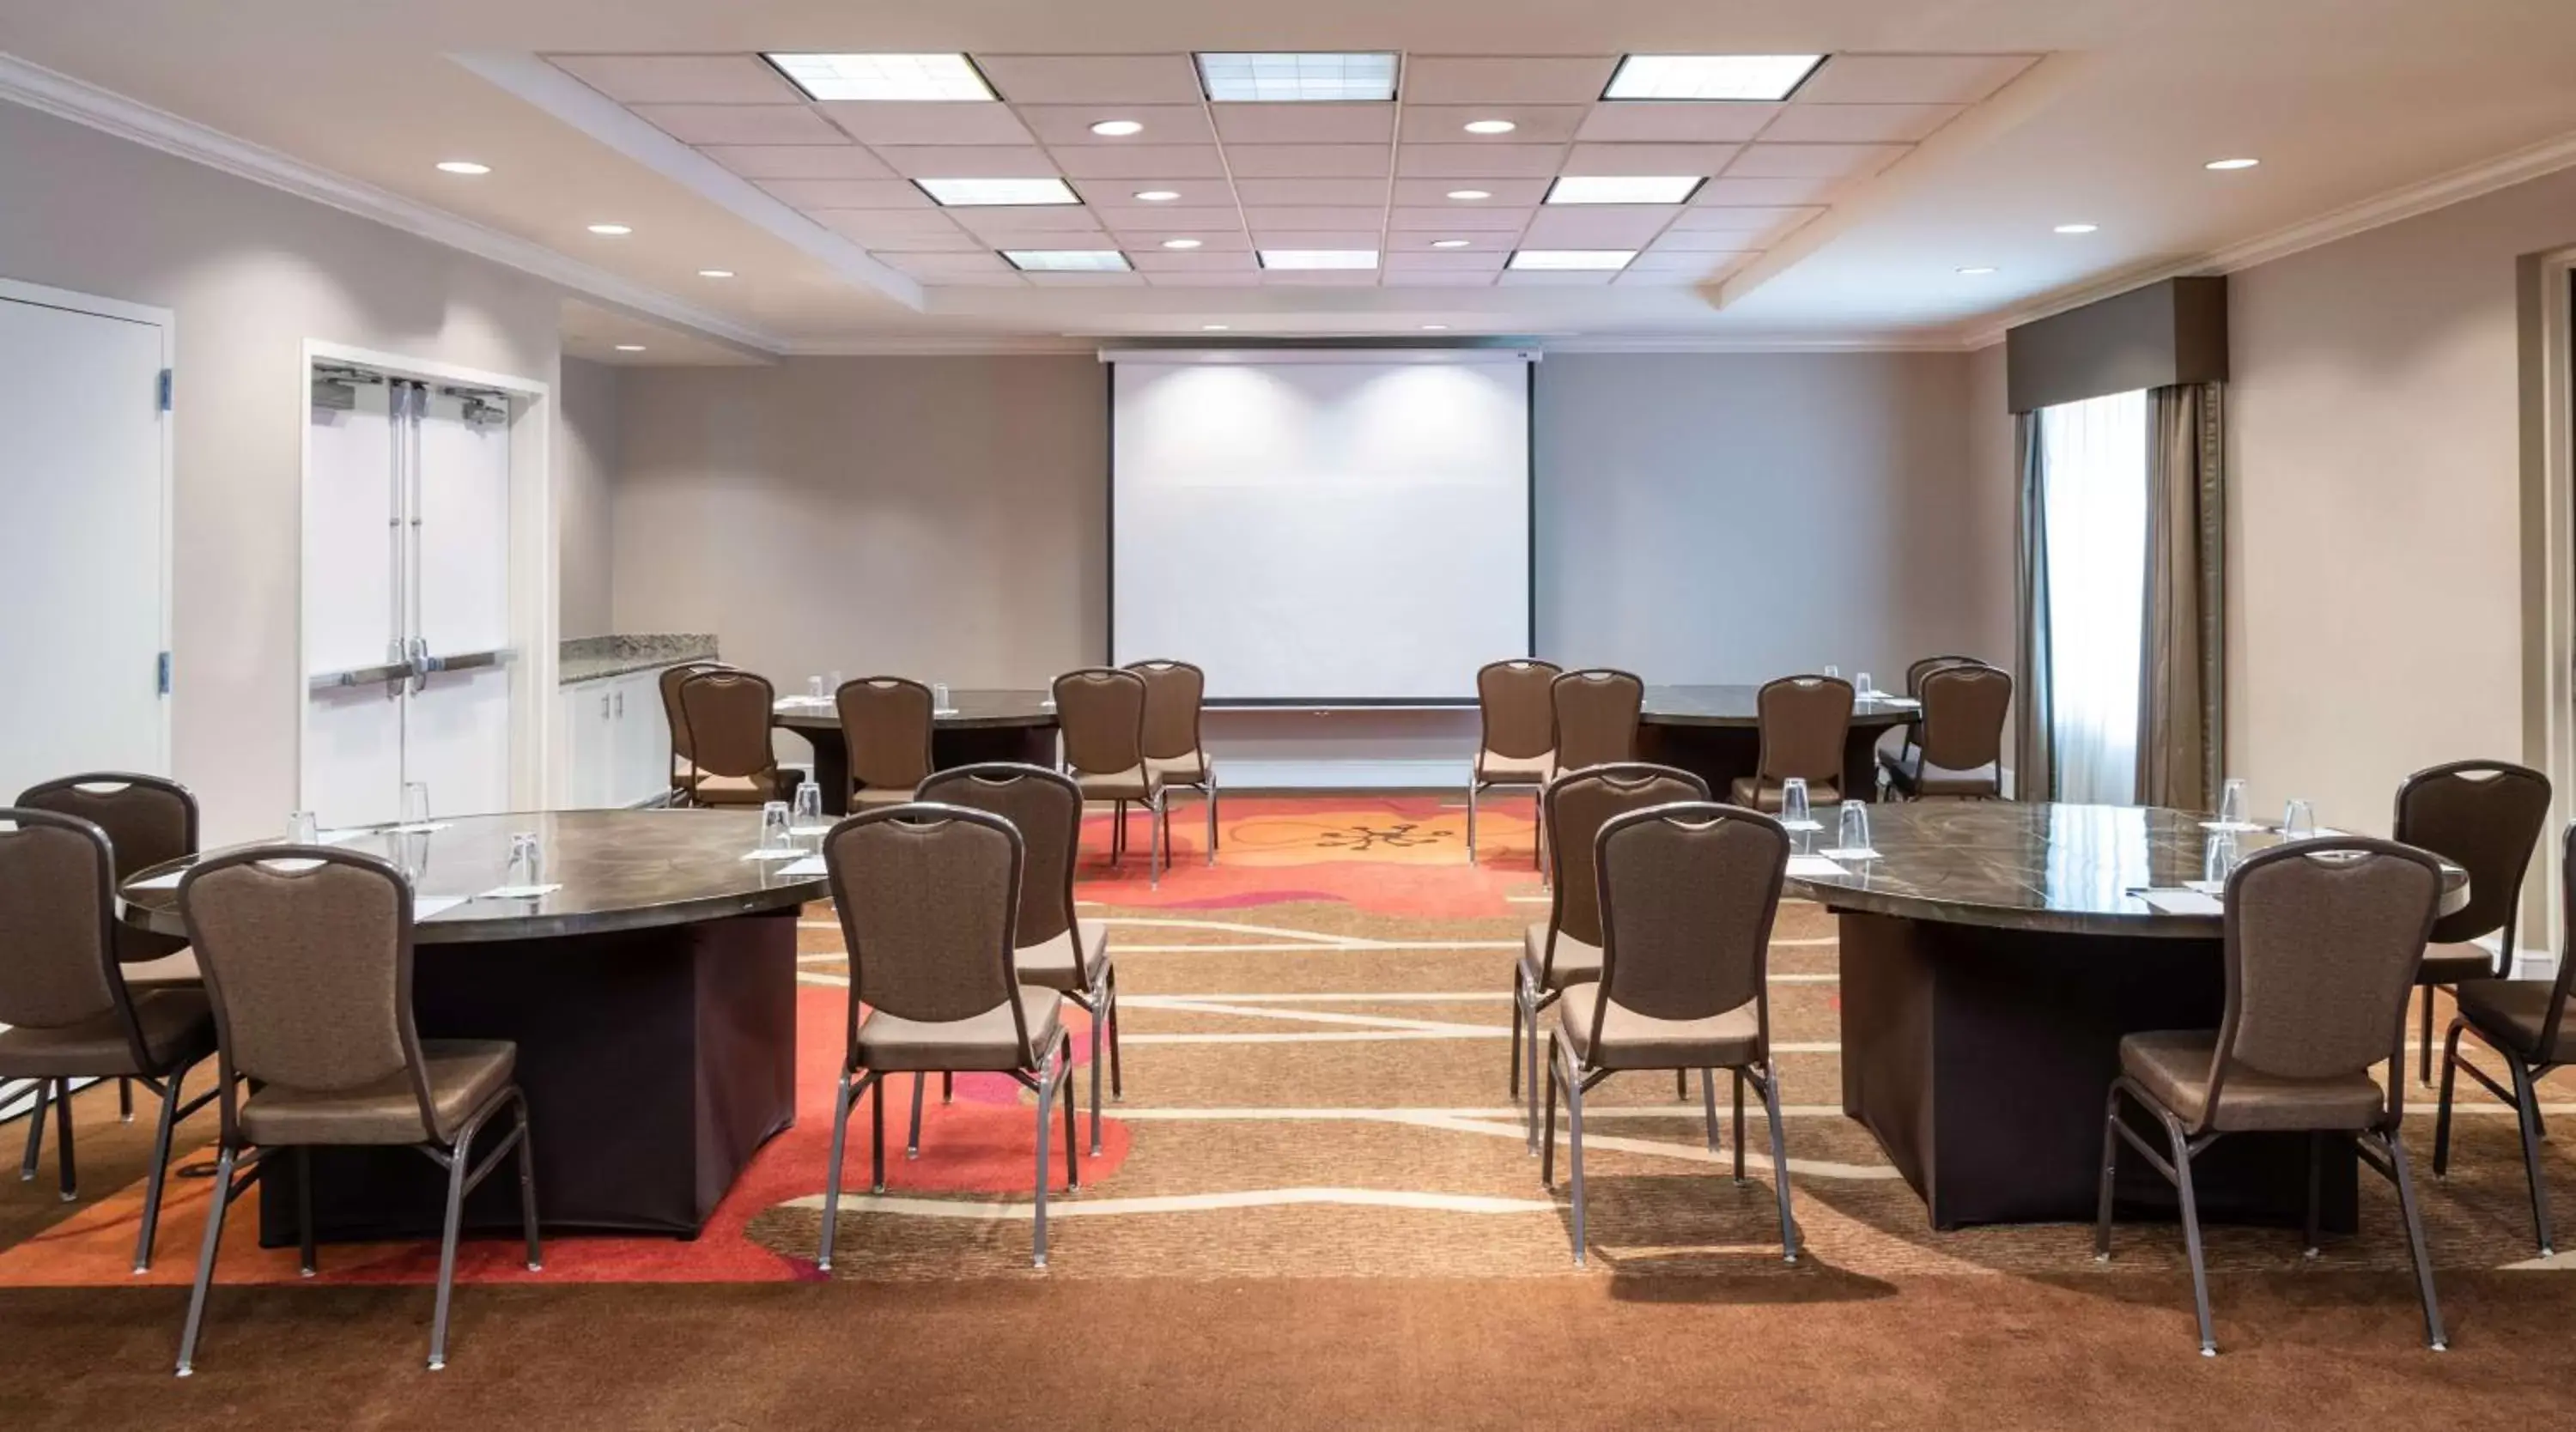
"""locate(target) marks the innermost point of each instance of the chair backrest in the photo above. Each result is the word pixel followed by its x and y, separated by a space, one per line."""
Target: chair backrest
pixel 1595 712
pixel 1805 721
pixel 1579 803
pixel 307 953
pixel 1515 706
pixel 2323 938
pixel 1688 894
pixel 1963 716
pixel 2556 1015
pixel 1915 673
pixel 670 681
pixel 1045 807
pixel 727 713
pixel 2484 817
pixel 928 897
pixel 886 722
pixel 1174 691
pixel 57 932
pixel 149 820
pixel 1101 712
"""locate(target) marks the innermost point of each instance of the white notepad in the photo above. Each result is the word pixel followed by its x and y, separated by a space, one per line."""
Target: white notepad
pixel 804 869
pixel 1862 852
pixel 1813 867
pixel 782 853
pixel 430 907
pixel 519 892
pixel 2181 902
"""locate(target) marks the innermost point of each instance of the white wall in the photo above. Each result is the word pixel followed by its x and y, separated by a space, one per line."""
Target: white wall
pixel 251 274
pixel 585 473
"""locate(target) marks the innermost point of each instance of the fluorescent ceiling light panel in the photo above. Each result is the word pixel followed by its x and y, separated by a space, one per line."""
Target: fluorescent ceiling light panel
pixel 1623 189
pixel 1319 258
pixel 974 193
pixel 1067 260
pixel 1757 77
pixel 884 77
pixel 1290 78
pixel 1573 260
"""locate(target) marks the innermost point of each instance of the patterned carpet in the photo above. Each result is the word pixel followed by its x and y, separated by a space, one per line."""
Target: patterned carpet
pixel 1316 1044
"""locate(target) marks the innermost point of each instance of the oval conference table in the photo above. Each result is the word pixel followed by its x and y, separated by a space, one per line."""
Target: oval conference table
pixel 1714 731
pixel 1992 957
pixel 652 997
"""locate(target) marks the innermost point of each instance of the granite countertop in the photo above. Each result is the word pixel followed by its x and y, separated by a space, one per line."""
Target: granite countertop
pixel 589 658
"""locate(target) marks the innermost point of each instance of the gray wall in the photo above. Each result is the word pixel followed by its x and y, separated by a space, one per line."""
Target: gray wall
pixel 585 471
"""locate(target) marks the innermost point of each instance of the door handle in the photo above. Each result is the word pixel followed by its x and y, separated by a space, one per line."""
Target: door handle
pixel 621 705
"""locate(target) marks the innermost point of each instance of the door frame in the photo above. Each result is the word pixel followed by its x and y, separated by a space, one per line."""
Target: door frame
pixel 2547 284
pixel 167 321
pixel 534 574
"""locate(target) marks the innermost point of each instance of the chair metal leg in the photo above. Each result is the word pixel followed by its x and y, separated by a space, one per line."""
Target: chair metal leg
pixel 2442 1118
pixel 1681 1086
pixel 912 1140
pixel 1708 1104
pixel 124 1100
pixel 1211 815
pixel 1547 1144
pixel 1739 1126
pixel 1574 1152
pixel 159 1174
pixel 2424 1038
pixel 1072 1144
pixel 223 1198
pixel 528 1192
pixel 876 1139
pixel 1538 845
pixel 2191 1234
pixel 63 1161
pixel 1540 1046
pixel 2110 1175
pixel 1779 1162
pixel 1117 831
pixel 459 1158
pixel 1099 1002
pixel 1117 1085
pixel 2316 1188
pixel 947 1087
pixel 1514 1084
pixel 2434 1337
pixel 43 1094
pixel 1158 845
pixel 832 1174
pixel 1038 1229
pixel 2526 1101
pixel 307 1262
pixel 1471 822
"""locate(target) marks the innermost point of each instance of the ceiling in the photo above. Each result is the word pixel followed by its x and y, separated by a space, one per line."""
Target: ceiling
pixel 1938 138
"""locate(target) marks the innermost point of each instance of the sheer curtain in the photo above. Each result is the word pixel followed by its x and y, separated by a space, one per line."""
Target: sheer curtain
pixel 2093 460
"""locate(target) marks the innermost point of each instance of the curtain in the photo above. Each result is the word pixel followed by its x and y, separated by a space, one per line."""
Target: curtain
pixel 2094 471
pixel 2034 773
pixel 2183 658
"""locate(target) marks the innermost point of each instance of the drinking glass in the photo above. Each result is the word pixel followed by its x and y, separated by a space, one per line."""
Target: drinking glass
pixel 2231 802
pixel 2298 821
pixel 939 697
pixel 1855 826
pixel 1833 671
pixel 809 805
pixel 527 861
pixel 1793 802
pixel 303 829
pixel 1862 686
pixel 814 687
pixel 2220 860
pixel 773 826
pixel 837 682
pixel 415 805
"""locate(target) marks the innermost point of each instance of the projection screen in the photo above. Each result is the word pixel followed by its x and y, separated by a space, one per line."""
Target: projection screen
pixel 1322 527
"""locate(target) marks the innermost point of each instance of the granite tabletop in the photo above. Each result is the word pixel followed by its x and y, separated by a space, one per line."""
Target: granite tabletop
pixel 1735 706
pixel 973 710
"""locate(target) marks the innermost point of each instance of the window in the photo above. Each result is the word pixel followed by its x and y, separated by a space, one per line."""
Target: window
pixel 2093 461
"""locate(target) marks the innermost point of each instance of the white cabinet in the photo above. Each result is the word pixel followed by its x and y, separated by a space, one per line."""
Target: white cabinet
pixel 617 745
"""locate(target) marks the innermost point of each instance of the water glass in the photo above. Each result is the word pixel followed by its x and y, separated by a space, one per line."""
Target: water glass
pixel 303 829
pixel 2231 802
pixel 1833 671
pixel 809 804
pixel 814 687
pixel 837 683
pixel 939 697
pixel 527 861
pixel 1861 685
pixel 2298 821
pixel 773 826
pixel 415 803
pixel 1793 802
pixel 2220 860
pixel 1855 827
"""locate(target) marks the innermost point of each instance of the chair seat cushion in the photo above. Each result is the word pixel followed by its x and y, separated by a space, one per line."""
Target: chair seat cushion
pixel 1190 770
pixel 870 797
pixel 179 968
pixel 1493 768
pixel 2510 1014
pixel 735 790
pixel 178 1029
pixel 1136 783
pixel 2448 964
pixel 464 1075
pixel 1575 960
pixel 1630 1040
pixel 985 1041
pixel 1913 776
pixel 2173 1065
pixel 1755 794
pixel 1051 965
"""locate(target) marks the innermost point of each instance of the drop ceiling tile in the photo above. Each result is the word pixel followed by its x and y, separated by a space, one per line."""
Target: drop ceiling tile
pixel 1121 190
pixel 1305 123
pixel 1368 238
pixel 1687 241
pixel 1008 278
pixel 1461 219
pixel 1426 243
pixel 1598 226
pixel 740 123
pixel 1748 219
pixel 1467 79
pixel 1142 161
pixel 1425 193
pixel 1311 191
pixel 955 241
pixel 798 161
pixel 968 161
pixel 1238 261
pixel 1612 159
pixel 924 229
pixel 1814 161
pixel 932 266
pixel 1349 220
pixel 1406 263
pixel 1727 189
pixel 927 122
pixel 1014 221
pixel 1447 124
pixel 1211 241
pixel 1655 121
pixel 1200 278
pixel 1557 278
pixel 1308 161
pixel 1860 123
pixel 1476 161
pixel 1170 217
pixel 680 79
pixel 1064 124
pixel 1440 278
pixel 1319 278
pixel 1084 280
pixel 848 193
pixel 1092 79
pixel 1635 277
pixel 1911 79
pixel 1663 258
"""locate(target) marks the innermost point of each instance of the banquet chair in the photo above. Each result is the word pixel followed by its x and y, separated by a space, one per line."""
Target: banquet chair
pixel 2484 817
pixel 1805 721
pixel 1516 745
pixel 1100 713
pixel 683 767
pixel 1175 692
pixel 1594 714
pixel 726 714
pixel 886 725
pixel 1961 736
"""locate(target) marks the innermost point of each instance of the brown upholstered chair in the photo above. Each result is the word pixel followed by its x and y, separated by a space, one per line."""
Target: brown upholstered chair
pixel 1924 667
pixel 929 903
pixel 2322 940
pixel 683 769
pixel 726 714
pixel 1175 691
pixel 308 958
pixel 1688 894
pixel 1051 947
pixel 1100 713
pixel 886 722
pixel 1517 744
pixel 1805 723
pixel 2484 817
pixel 64 996
pixel 2525 1022
pixel 1566 950
pixel 1961 751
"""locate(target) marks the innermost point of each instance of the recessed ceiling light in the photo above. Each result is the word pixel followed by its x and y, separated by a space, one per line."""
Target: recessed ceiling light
pixel 1067 260
pixel 1762 77
pixel 1117 128
pixel 1470 195
pixel 610 230
pixel 1573 260
pixel 884 77
pixel 1490 126
pixel 1319 258
pixel 1623 189
pixel 1977 270
pixel 2213 164
pixel 1180 243
pixel 972 193
pixel 468 166
pixel 1449 243
pixel 1281 77
pixel 1158 196
pixel 1435 328
pixel 1215 328
pixel 2077 228
pixel 715 273
pixel 630 347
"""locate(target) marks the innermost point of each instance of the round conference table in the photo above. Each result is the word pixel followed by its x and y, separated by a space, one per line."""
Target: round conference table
pixel 1992 957
pixel 652 997
pixel 982 726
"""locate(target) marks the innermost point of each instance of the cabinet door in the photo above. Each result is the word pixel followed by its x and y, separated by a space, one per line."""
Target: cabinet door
pixel 595 754
pixel 643 741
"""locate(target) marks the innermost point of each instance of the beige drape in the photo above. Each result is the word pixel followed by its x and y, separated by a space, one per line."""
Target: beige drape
pixel 2034 744
pixel 2182 679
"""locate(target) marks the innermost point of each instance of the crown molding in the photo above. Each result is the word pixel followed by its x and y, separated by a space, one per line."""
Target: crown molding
pixel 64 97
pixel 1935 341
pixel 1003 345
pixel 929 345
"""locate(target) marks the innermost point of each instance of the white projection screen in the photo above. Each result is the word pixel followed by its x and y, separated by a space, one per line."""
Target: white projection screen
pixel 1343 527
